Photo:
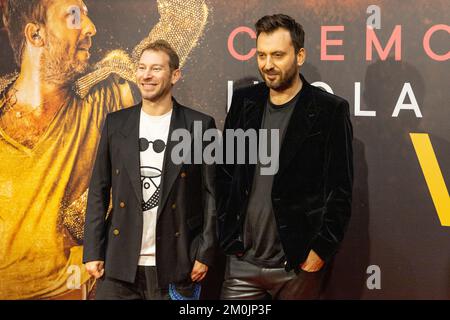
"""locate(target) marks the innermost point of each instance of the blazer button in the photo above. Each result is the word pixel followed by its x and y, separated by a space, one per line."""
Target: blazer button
pixel 117 172
pixel 174 206
pixel 122 204
pixel 177 234
pixel 116 232
pixel 183 174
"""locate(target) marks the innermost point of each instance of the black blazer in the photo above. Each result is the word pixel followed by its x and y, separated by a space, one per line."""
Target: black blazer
pixel 312 190
pixel 186 218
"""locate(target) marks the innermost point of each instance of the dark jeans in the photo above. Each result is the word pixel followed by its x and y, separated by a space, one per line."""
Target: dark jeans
pixel 144 287
pixel 244 280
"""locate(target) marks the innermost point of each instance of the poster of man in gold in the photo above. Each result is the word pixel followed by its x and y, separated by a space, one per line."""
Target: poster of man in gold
pixel 52 108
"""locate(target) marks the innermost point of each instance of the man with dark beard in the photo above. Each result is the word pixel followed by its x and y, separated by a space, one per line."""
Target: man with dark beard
pixel 281 231
pixel 51 114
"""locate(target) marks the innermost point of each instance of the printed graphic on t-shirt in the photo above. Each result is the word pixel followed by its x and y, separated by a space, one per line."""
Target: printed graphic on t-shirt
pixel 153 137
pixel 150 176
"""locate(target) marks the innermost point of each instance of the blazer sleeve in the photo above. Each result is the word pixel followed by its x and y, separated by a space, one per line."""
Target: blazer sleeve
pixel 339 183
pixel 98 202
pixel 208 238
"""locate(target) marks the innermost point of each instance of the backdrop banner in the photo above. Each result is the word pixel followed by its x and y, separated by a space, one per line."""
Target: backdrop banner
pixel 389 59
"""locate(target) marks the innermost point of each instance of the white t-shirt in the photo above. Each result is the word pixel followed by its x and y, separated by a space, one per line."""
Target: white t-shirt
pixel 153 134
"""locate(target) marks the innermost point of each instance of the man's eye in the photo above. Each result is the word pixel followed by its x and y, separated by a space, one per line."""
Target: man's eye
pixel 156 69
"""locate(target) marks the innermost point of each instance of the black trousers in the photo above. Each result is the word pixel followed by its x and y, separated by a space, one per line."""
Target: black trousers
pixel 144 287
pixel 244 280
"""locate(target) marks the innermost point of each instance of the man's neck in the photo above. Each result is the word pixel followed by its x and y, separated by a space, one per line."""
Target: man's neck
pixel 158 107
pixel 33 95
pixel 30 107
pixel 282 97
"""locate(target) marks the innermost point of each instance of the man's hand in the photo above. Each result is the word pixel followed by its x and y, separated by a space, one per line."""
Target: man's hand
pixel 95 268
pixel 313 263
pixel 198 271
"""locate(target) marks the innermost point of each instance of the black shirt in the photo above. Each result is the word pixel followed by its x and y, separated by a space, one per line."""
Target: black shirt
pixel 261 241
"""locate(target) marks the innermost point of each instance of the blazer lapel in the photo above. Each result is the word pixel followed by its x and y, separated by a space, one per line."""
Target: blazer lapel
pixel 302 120
pixel 170 170
pixel 130 149
pixel 253 114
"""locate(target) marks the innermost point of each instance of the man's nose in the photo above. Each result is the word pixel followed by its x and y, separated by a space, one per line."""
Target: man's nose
pixel 268 63
pixel 148 74
pixel 88 27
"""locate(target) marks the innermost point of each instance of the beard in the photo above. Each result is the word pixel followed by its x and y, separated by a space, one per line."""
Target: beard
pixel 285 80
pixel 59 67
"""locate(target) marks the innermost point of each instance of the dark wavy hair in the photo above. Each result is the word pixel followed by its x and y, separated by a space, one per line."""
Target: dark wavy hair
pixel 269 24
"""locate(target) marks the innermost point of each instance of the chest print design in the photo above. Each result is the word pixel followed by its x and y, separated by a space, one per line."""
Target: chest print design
pixel 150 176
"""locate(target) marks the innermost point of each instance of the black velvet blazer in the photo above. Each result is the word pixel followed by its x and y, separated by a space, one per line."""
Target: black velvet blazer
pixel 312 190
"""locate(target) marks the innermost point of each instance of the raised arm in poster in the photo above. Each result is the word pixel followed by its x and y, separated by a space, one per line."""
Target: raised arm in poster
pixel 51 114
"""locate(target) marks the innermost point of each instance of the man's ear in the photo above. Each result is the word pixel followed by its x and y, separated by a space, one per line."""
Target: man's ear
pixel 33 34
pixel 301 57
pixel 176 75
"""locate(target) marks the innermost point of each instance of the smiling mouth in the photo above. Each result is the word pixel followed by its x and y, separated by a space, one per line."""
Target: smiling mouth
pixel 148 85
